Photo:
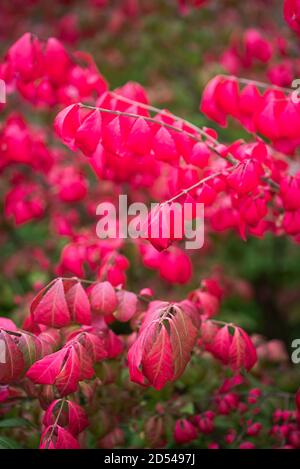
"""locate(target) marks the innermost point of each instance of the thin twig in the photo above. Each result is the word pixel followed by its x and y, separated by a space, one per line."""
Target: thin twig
pixel 230 158
pixel 260 84
pixel 56 421
pixel 197 184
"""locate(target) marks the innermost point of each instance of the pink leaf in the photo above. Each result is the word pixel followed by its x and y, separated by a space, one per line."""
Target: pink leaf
pixel 72 417
pixel 12 363
pixel 135 356
pixel 164 146
pixel 66 124
pixel 221 345
pixel 46 370
pixel 89 133
pixel 113 136
pixel 164 343
pixel 7 324
pixel 103 298
pixel 86 370
pixel 68 378
pixel 78 303
pixel 127 305
pixel 157 361
pixel 184 431
pixel 33 348
pixel 183 334
pixel 52 309
pixel 56 437
pixel 242 353
pixel 230 383
pixel 115 345
pixel 94 342
pixel 139 138
pixel 57 61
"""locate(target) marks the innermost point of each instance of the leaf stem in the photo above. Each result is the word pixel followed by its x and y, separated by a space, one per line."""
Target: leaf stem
pixel 56 421
pixel 230 158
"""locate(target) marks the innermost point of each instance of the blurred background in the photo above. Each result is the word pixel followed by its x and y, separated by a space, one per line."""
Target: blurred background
pixel 173 49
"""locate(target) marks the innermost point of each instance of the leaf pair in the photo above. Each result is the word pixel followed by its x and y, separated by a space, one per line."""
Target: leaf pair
pixel 235 350
pixel 56 437
pixel 66 414
pixel 61 302
pixel 71 364
pixel 164 344
pixel 18 351
pixel 105 301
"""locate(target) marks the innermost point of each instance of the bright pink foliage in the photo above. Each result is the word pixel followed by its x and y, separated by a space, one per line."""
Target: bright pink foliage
pixel 251 187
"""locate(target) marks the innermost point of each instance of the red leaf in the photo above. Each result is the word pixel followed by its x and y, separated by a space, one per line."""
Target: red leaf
pixel 208 333
pixel 69 376
pixel 46 370
pixel 165 341
pixel 78 303
pixel 57 61
pixel 94 342
pixel 157 362
pixel 164 146
pixel 26 58
pixel 72 417
pixel 183 334
pixel 113 135
pixel 66 124
pixel 56 437
pixel 251 355
pixel 127 305
pixel 89 133
pixel 139 138
pixel 86 370
pixel 52 309
pixel 12 363
pixel 242 353
pixel 103 298
pixel 221 345
pixel 7 324
pixel 230 383
pixel 184 431
pixel 115 345
pixel 209 105
pixel 38 297
pixel 78 420
pixel 64 368
pixel 245 177
pixel 50 337
pixel 33 348
pixel 135 356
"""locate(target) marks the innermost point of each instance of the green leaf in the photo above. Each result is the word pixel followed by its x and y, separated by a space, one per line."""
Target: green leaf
pixel 15 422
pixel 188 409
pixel 8 443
